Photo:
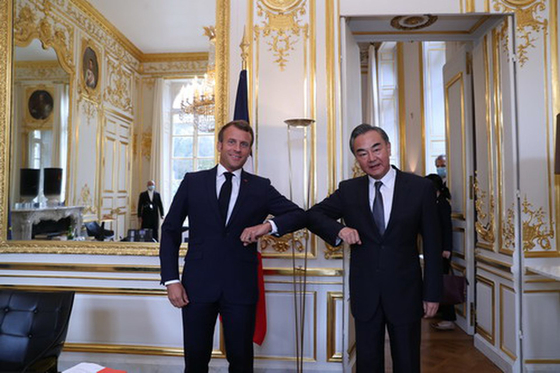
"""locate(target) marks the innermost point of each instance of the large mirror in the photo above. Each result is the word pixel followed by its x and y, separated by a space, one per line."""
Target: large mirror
pixel 80 111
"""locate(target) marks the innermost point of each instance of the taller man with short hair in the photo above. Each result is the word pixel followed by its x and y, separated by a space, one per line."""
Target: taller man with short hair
pixel 383 212
pixel 226 207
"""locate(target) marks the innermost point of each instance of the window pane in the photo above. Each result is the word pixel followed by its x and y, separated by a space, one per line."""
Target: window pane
pixel 205 146
pixel 181 167
pixel 182 128
pixel 182 147
pixel 205 163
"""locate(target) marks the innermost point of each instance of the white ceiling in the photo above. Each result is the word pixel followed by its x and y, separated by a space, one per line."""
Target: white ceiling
pixel 161 26
pixel 35 52
pixel 446 27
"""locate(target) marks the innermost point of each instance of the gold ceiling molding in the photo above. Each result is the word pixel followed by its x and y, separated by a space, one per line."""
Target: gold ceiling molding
pixel 175 57
pixel 528 22
pixel 108 27
pixel 192 67
pixel 28 26
pixel 484 230
pixel 282 25
pixel 535 231
pixel 283 244
pixel 415 22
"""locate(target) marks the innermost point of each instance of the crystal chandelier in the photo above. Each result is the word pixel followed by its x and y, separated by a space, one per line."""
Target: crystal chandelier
pixel 200 102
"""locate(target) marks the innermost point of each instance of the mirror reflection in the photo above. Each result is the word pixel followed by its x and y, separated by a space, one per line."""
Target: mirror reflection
pixel 104 109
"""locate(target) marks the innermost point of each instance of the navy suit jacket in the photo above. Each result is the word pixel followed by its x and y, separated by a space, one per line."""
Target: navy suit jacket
pixel 217 264
pixel 386 269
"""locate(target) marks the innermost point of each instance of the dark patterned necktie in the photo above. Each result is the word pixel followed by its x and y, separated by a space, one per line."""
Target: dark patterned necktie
pixel 225 196
pixel 377 210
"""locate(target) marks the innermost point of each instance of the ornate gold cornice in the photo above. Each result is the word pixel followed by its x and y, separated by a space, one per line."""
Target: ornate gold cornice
pixel 88 9
pixel 528 22
pixel 175 57
pixel 50 29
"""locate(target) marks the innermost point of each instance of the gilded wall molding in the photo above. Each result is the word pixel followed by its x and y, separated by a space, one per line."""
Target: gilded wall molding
pixel 281 27
pixel 146 145
pixel 484 229
pixel 39 70
pixel 86 200
pixel 118 91
pixel 508 232
pixel 5 108
pixel 535 229
pixel 50 29
pixel 297 241
pixel 529 22
pixel 195 67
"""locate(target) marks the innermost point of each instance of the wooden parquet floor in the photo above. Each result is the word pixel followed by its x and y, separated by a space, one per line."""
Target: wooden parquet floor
pixel 450 351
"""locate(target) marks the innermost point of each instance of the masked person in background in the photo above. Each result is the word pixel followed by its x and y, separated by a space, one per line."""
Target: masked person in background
pixel 150 209
pixel 441 167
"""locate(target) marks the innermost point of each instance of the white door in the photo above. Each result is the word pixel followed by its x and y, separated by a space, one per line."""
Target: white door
pixel 459 129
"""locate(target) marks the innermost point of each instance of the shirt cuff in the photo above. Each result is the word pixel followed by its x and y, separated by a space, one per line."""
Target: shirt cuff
pixel 171 282
pixel 274 229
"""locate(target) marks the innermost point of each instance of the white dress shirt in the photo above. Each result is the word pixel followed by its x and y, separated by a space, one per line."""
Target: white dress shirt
pixel 387 191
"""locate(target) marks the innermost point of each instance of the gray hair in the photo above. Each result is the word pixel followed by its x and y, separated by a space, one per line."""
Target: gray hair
pixel 365 128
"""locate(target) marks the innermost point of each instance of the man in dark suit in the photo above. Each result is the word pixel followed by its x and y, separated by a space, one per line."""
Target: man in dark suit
pixel 226 207
pixel 150 209
pixel 384 211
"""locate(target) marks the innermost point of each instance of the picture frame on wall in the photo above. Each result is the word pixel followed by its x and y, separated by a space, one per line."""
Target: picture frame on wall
pixel 40 104
pixel 90 71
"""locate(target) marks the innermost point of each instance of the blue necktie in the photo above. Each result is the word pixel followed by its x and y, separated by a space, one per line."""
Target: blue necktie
pixel 377 210
pixel 225 196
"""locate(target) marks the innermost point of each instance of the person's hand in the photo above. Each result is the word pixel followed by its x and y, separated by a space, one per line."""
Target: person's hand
pixel 177 295
pixel 446 254
pixel 430 309
pixel 350 236
pixel 252 234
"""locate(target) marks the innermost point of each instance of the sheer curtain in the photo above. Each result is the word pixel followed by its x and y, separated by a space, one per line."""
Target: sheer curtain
pixel 161 136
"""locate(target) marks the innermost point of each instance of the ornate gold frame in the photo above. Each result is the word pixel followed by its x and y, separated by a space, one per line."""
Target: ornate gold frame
pixel 7 19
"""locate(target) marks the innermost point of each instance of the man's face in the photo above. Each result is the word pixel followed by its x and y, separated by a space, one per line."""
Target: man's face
pixel 235 148
pixel 150 183
pixel 440 162
pixel 372 154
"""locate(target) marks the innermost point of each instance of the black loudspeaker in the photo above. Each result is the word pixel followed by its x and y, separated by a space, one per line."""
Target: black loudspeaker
pixel 29 183
pixel 52 182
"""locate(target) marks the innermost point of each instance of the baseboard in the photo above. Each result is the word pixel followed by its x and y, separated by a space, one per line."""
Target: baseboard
pixel 482 345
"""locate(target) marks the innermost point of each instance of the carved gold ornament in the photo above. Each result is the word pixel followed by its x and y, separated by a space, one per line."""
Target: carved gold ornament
pixel 119 86
pixel 87 201
pixel 357 170
pixel 484 230
pixel 28 25
pixel 282 26
pixel 535 231
pixel 282 244
pixel 508 233
pixel 411 23
pixel 528 22
pixel 332 252
pixel 146 145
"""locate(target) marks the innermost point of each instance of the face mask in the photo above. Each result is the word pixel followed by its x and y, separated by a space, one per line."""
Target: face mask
pixel 151 188
pixel 442 172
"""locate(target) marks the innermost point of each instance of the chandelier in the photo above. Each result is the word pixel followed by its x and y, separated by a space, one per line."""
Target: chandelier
pixel 200 101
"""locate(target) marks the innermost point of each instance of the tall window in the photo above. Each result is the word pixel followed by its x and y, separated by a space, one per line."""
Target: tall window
pixel 191 149
pixel 434 102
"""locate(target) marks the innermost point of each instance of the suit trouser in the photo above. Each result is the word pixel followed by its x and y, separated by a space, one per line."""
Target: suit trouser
pixel 370 344
pixel 199 320
pixel 447 310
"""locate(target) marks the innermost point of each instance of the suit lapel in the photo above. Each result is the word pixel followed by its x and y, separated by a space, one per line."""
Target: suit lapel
pixel 211 188
pixel 399 192
pixel 244 184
